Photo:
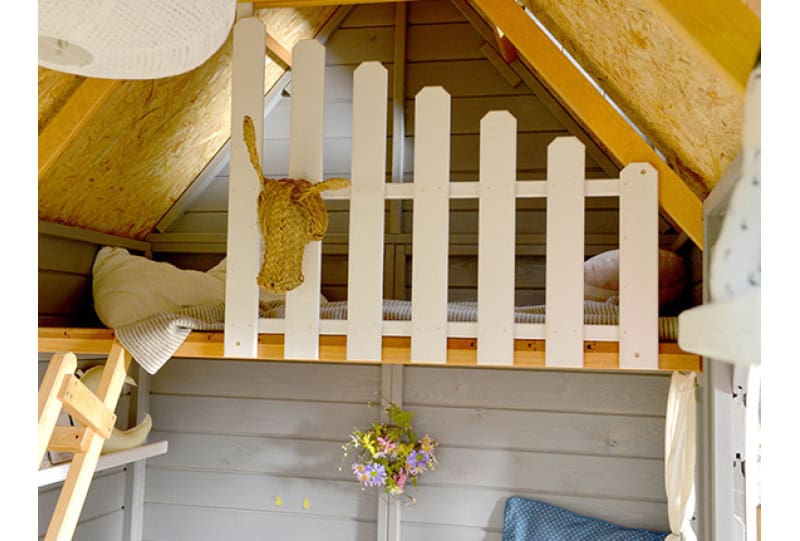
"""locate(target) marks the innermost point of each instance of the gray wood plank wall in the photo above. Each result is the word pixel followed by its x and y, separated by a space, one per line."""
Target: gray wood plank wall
pixel 65 282
pixel 243 434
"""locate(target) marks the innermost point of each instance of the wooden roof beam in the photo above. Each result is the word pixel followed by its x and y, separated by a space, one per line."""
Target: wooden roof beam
pixel 59 133
pixel 726 33
pixel 593 111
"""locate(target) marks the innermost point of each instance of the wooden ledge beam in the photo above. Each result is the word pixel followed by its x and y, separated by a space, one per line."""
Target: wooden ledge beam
pixel 593 111
pixel 70 120
pixel 396 350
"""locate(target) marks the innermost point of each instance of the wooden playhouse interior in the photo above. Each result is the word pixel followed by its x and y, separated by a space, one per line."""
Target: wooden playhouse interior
pixel 498 211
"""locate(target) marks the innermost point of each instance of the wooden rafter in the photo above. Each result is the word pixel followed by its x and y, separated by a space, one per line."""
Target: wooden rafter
pixel 726 33
pixel 73 116
pixel 276 49
pixel 593 111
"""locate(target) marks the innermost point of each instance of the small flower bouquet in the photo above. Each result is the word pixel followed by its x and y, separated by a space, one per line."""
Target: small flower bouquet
pixel 389 455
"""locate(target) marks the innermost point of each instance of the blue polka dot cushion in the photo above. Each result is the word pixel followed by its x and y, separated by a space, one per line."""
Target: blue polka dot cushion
pixel 530 520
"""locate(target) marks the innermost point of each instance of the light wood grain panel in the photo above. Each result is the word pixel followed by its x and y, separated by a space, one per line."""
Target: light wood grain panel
pixel 335 499
pixel 267 380
pixel 179 523
pixel 561 391
pixel 219 415
pixel 544 431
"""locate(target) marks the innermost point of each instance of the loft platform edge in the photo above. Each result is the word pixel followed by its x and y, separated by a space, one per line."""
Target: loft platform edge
pixel 395 350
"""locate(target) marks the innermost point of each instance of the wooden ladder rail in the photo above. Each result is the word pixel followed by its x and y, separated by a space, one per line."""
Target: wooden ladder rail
pixel 94 411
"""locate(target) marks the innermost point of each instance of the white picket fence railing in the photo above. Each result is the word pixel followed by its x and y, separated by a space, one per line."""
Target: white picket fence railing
pixel 497 190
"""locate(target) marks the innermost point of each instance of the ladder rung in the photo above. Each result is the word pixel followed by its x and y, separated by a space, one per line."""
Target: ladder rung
pixel 70 439
pixel 86 408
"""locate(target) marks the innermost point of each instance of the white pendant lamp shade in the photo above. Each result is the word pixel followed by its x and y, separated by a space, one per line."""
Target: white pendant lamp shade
pixel 131 39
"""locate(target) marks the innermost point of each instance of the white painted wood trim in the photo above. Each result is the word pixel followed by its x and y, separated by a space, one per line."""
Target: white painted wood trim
pixel 727 330
pixel 305 161
pixel 638 267
pixel 56 474
pixel 365 259
pixel 496 238
pixel 244 237
pixel 135 477
pixel 431 226
pixel 564 261
pixel 389 509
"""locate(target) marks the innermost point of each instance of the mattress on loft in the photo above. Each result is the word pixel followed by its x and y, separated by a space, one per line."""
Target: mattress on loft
pixel 152 341
pixel 594 313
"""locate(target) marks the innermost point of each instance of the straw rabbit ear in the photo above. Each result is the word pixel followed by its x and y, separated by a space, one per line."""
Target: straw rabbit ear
pixel 252 148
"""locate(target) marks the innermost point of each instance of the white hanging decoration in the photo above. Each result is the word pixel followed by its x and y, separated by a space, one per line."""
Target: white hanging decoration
pixel 118 39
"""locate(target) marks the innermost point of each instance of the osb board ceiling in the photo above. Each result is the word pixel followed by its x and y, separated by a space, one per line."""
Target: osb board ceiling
pixel 150 139
pixel 55 88
pixel 663 83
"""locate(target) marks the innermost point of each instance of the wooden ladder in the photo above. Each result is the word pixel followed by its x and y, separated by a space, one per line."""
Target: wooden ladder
pixel 60 388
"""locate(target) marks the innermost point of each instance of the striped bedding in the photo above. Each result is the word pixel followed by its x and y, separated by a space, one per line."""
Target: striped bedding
pixel 154 340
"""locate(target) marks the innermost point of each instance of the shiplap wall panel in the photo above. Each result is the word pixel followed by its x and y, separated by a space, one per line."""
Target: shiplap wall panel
pixel 538 435
pixel 598 393
pixel 325 497
pixel 181 523
pixel 106 496
pixel 103 528
pixel 256 416
pixel 242 434
pixel 64 281
pixel 482 508
pixel 274 381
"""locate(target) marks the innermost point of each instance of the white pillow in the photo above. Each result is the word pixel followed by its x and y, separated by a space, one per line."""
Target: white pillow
pixel 128 288
pixel 601 276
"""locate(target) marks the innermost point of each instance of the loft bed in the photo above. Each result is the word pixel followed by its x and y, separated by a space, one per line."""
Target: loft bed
pixel 494 339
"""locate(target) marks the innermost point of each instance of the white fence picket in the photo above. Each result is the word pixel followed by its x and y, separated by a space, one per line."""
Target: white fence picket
pixel 496 238
pixel 365 260
pixel 638 267
pixel 305 161
pixel 564 260
pixel 241 289
pixel 431 226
